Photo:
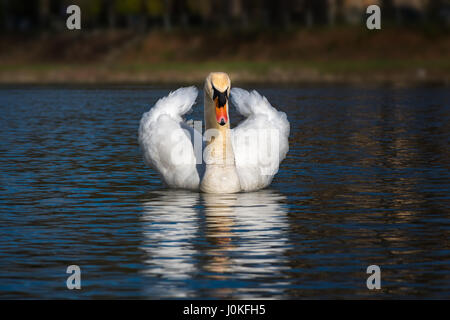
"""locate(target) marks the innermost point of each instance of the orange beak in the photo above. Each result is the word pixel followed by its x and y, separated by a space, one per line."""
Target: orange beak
pixel 221 113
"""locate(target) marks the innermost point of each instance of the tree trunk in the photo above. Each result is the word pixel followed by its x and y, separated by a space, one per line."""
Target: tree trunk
pixel 166 15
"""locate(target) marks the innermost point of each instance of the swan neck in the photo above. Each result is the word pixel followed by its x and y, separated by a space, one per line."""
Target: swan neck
pixel 218 138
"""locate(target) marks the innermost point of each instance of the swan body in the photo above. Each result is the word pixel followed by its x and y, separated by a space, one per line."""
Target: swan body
pixel 227 160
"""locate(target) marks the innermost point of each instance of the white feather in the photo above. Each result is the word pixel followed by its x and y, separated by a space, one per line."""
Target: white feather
pixel 255 169
pixel 165 139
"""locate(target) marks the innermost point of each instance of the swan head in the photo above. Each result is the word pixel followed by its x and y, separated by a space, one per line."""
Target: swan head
pixel 217 93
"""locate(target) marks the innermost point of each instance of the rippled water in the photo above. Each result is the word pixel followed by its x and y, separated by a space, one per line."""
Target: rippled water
pixel 366 181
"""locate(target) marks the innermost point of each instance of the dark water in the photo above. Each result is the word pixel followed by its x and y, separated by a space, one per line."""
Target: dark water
pixel 366 182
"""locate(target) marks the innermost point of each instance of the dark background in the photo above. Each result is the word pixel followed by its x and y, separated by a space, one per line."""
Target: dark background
pixel 38 15
pixel 168 41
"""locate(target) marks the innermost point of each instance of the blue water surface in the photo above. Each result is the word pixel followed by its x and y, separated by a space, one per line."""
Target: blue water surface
pixel 366 181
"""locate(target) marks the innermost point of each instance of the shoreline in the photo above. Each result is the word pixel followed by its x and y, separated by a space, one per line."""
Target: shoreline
pixel 194 73
pixel 395 56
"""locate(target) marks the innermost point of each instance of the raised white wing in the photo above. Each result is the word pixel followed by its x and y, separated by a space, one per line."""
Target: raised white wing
pixel 260 142
pixel 166 140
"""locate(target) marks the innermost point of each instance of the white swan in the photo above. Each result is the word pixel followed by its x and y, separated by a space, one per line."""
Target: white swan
pixel 229 160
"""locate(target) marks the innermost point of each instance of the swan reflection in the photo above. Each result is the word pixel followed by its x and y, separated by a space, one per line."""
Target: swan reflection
pixel 248 232
pixel 169 232
pixel 215 236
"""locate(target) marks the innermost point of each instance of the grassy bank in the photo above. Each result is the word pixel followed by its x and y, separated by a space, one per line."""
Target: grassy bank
pixel 345 55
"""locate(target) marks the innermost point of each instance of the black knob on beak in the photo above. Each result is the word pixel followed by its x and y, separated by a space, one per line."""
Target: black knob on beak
pixel 222 96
